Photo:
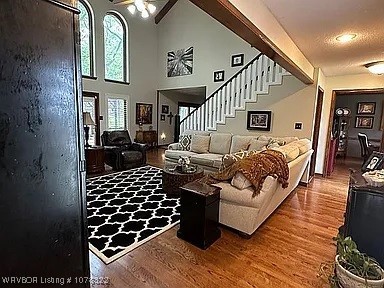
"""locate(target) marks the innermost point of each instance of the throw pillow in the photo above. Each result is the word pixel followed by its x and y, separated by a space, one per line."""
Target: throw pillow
pixel 240 143
pixel 257 145
pixel 275 142
pixel 220 143
pixel 240 181
pixel 304 145
pixel 185 142
pixel 200 143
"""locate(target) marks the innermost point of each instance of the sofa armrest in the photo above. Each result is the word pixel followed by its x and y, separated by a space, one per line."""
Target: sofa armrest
pixel 173 146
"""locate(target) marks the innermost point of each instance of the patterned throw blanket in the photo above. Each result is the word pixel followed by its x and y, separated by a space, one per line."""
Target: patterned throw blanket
pixel 256 168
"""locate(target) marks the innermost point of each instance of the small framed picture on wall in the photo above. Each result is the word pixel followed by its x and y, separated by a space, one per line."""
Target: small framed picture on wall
pixel 164 109
pixel 367 108
pixel 218 76
pixel 237 60
pixel 259 120
pixel 364 122
pixel 162 117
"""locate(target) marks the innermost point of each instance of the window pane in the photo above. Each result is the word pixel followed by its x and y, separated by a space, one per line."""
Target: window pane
pixel 85 40
pixel 89 106
pixel 114 48
pixel 117 114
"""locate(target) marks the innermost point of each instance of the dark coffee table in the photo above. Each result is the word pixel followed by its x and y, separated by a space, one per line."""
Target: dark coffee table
pixel 173 180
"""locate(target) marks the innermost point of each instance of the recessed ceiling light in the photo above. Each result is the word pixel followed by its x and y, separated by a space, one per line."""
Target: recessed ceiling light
pixel 376 67
pixel 346 38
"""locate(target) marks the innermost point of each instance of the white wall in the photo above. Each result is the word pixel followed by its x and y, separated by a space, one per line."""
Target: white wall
pixel 143 61
pixel 186 25
pixel 347 82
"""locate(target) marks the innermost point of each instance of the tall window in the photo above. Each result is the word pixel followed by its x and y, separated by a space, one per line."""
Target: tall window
pixel 86 38
pixel 115 48
pixel 117 114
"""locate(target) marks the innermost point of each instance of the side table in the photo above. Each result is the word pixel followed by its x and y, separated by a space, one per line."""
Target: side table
pixel 173 180
pixel 199 214
pixel 94 157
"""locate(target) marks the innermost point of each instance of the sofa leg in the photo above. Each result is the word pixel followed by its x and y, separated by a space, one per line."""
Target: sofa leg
pixel 244 235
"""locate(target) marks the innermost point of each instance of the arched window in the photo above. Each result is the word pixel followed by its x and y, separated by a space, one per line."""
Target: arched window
pixel 86 38
pixel 115 47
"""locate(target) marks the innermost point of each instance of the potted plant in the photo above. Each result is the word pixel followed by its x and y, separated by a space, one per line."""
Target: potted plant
pixel 355 269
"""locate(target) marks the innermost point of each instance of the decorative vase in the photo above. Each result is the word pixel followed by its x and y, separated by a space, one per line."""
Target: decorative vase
pixel 349 280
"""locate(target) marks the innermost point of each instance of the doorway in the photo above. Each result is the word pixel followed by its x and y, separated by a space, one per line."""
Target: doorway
pixel 353 112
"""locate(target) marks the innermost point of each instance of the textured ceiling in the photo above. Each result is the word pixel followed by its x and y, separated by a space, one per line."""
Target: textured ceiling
pixel 314 24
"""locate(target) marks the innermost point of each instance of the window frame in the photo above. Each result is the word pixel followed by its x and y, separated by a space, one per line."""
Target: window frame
pixel 119 97
pixel 91 24
pixel 124 24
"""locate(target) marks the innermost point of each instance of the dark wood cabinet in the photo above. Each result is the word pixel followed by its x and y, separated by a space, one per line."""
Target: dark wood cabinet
pixel 43 226
pixel 147 137
pixel 95 158
pixel 364 217
pixel 199 215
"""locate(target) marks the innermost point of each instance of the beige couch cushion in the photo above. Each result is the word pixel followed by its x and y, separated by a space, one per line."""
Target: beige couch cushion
pixel 200 143
pixel 220 143
pixel 175 154
pixel 244 197
pixel 264 138
pixel 257 145
pixel 240 181
pixel 304 145
pixel 211 160
pixel 240 143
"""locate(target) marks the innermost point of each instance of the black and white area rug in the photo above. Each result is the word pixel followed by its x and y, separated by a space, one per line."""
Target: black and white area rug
pixel 127 209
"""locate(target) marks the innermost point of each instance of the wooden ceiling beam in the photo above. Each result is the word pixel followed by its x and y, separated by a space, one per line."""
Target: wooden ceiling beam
pixel 228 15
pixel 164 11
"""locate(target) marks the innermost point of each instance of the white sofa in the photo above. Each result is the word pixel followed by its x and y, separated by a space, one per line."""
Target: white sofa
pixel 238 209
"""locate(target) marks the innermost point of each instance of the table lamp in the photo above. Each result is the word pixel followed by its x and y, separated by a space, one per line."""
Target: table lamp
pixel 87 122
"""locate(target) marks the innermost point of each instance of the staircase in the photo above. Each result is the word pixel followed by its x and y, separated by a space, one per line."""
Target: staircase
pixel 252 80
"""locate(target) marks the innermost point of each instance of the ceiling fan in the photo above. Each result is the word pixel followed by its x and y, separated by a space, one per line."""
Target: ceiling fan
pixel 144 7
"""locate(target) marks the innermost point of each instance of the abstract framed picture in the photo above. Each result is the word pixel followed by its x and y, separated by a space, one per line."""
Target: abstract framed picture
pixel 237 60
pixel 180 62
pixel 164 109
pixel 259 120
pixel 374 162
pixel 162 117
pixel 366 108
pixel 218 76
pixel 364 122
pixel 143 113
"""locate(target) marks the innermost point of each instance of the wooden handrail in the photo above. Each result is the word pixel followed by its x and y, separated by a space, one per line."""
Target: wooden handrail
pixel 226 83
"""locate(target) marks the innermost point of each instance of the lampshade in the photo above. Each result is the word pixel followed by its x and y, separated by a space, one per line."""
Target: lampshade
pixel 163 136
pixel 376 67
pixel 132 9
pixel 151 8
pixel 145 14
pixel 88 119
pixel 140 5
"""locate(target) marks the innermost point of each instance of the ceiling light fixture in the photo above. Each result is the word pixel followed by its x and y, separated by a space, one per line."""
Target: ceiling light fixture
pixel 375 67
pixel 346 38
pixel 146 9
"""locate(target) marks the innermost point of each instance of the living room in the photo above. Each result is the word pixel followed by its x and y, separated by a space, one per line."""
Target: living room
pixel 290 246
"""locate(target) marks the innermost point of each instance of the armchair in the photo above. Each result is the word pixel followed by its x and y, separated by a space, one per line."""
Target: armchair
pixel 120 152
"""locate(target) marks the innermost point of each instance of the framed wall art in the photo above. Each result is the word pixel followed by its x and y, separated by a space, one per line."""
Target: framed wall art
pixel 259 120
pixel 218 76
pixel 165 109
pixel 364 122
pixel 180 62
pixel 237 60
pixel 374 162
pixel 366 108
pixel 143 113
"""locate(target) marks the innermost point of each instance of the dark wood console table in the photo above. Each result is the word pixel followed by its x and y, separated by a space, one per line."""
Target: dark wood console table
pixel 94 157
pixel 364 218
pixel 147 137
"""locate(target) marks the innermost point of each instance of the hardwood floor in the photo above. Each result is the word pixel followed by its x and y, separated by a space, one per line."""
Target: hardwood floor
pixel 286 251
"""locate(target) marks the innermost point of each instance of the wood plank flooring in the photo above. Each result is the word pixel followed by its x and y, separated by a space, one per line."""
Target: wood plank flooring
pixel 286 251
